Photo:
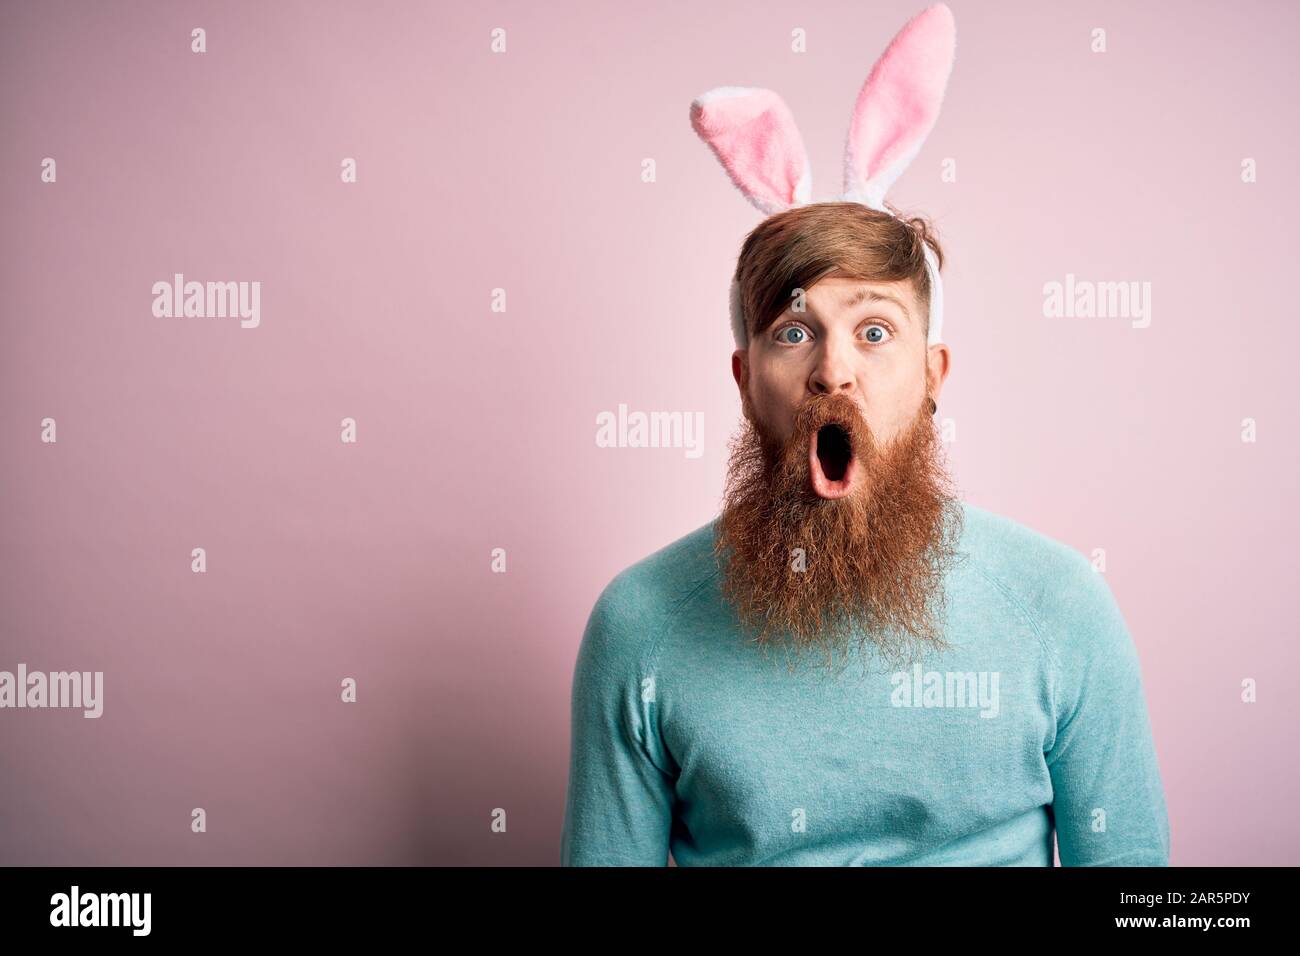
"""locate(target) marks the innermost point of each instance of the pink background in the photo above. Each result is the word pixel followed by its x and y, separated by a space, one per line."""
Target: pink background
pixel 476 429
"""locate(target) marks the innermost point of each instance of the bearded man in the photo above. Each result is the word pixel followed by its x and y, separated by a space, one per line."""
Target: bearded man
pixel 995 702
pixel 996 697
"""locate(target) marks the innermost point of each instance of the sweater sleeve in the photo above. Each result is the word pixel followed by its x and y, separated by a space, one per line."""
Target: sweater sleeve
pixel 619 804
pixel 1108 803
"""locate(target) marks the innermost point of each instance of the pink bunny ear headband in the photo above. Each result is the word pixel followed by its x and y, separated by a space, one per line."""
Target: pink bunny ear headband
pixel 754 136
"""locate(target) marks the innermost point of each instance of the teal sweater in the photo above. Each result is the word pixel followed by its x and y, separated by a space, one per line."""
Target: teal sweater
pixel 686 738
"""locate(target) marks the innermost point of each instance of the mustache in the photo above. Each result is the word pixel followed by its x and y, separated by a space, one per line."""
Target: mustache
pixel 838 412
pixel 830 408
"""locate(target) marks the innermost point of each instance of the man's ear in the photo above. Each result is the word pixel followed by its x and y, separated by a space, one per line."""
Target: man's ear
pixel 740 372
pixel 937 363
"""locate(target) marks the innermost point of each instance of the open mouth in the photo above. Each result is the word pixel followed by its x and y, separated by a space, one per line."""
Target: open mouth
pixel 831 461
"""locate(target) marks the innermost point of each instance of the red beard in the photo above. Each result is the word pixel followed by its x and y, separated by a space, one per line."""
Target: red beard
pixel 873 561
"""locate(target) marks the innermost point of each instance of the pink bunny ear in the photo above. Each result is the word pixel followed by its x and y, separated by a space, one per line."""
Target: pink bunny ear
pixel 753 134
pixel 898 105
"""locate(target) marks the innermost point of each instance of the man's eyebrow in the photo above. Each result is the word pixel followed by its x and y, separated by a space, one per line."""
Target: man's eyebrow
pixel 869 295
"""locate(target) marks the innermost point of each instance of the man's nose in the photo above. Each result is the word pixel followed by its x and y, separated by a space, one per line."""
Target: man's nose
pixel 833 372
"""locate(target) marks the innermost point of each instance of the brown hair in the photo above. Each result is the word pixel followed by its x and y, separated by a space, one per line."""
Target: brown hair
pixel 794 249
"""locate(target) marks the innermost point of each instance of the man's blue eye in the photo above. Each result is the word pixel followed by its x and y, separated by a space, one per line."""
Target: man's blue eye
pixel 875 333
pixel 783 335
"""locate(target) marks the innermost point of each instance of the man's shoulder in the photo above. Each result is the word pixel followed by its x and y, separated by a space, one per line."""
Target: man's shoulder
pixel 643 594
pixel 1002 542
pixel 1046 576
pixel 672 571
pixel 1068 601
